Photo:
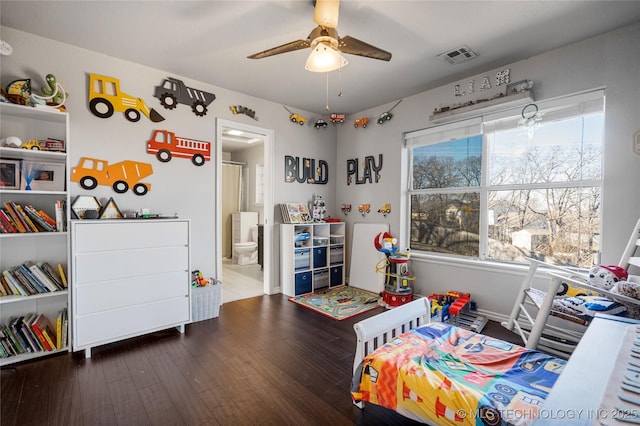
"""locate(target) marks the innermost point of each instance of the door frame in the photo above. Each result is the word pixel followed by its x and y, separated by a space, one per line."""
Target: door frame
pixel 268 134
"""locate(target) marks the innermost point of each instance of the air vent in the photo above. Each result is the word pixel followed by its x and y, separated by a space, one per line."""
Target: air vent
pixel 461 54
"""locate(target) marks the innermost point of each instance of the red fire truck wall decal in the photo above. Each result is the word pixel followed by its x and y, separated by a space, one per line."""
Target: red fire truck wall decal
pixel 166 145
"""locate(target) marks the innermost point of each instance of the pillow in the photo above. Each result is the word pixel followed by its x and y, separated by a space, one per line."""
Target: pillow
pixel 587 306
pixel 630 289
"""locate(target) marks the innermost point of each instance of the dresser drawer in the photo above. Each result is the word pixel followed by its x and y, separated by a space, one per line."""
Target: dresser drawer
pixel 135 320
pixel 114 265
pixel 115 294
pixel 99 237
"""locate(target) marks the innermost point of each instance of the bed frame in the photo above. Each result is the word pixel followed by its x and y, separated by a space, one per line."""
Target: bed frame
pixel 377 330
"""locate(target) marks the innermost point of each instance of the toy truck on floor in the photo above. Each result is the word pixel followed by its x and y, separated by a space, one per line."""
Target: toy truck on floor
pixel 173 92
pixel 165 145
pixel 92 172
pixel 105 97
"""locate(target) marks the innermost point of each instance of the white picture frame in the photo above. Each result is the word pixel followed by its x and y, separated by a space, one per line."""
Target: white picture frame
pixel 47 176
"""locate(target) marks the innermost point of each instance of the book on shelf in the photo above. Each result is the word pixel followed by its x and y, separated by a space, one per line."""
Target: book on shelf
pixel 41 276
pixel 295 213
pixel 7 221
pixel 30 335
pixel 22 340
pixel 61 319
pixel 31 281
pixel 53 274
pixel 11 281
pixel 6 342
pixel 61 220
pixel 13 340
pixel 18 282
pixel 50 336
pixel 38 220
pixel 35 325
pixel 30 225
pixel 62 276
pixel 15 216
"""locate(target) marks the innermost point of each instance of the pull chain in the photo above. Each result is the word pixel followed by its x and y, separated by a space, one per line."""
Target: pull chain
pixel 327 92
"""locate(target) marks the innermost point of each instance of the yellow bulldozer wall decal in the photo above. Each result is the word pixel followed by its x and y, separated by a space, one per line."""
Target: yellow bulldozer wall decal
pixel 105 97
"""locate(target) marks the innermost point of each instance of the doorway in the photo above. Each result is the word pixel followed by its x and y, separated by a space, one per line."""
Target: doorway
pixel 243 184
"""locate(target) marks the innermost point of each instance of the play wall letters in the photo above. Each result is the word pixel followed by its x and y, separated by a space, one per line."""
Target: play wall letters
pixel 370 170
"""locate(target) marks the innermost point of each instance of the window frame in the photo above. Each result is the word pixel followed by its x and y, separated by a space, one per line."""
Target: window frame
pixel 565 107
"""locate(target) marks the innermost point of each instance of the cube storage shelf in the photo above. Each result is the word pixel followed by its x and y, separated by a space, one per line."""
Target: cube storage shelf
pixel 52 247
pixel 311 257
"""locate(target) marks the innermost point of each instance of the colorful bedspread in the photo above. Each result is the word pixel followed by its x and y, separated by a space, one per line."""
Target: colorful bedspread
pixel 444 375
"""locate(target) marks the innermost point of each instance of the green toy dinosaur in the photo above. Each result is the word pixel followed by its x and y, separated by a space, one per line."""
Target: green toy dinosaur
pixel 54 89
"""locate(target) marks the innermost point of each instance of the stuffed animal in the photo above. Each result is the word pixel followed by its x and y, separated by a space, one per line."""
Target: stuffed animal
pixel 606 276
pixel 630 289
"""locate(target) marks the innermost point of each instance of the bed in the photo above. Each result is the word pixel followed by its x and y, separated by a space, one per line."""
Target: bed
pixel 439 374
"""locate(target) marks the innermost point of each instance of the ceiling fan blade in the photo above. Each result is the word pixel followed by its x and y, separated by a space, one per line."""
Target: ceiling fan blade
pixel 326 12
pixel 288 47
pixel 353 46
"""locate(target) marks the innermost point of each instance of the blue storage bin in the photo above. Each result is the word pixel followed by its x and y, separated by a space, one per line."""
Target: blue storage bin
pixel 303 283
pixel 336 276
pixel 319 257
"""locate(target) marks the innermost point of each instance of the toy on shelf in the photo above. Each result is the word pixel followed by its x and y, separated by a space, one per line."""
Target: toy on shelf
pixel 319 210
pixel 53 96
pixel 394 266
pixel 295 117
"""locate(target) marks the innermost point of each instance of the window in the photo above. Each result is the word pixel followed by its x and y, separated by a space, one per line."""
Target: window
pixel 487 189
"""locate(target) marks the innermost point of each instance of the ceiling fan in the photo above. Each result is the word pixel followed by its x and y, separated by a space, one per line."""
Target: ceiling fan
pixel 324 39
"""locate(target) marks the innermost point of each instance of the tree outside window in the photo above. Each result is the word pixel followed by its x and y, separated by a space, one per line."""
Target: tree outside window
pixel 537 197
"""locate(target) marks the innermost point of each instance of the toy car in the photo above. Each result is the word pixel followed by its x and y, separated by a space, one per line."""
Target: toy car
pixel 296 118
pixel 385 116
pixel 32 144
pixel 51 144
pixel 361 122
pixel 337 118
pixel 320 123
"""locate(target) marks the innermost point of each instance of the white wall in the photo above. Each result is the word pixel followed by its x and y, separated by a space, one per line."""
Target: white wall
pixel 178 186
pixel 610 61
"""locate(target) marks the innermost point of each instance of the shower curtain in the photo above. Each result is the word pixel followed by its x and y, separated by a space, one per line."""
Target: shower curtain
pixel 231 202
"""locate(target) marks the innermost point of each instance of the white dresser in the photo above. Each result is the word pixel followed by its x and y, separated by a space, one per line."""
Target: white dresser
pixel 131 277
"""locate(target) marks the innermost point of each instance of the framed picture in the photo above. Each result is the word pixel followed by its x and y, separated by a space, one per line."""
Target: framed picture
pixel 9 174
pixel 42 176
pixel 83 204
pixel 110 211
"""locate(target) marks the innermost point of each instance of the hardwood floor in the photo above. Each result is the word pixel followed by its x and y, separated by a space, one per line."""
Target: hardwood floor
pixel 263 361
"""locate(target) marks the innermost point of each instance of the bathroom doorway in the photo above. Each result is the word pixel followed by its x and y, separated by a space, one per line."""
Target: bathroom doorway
pixel 243 184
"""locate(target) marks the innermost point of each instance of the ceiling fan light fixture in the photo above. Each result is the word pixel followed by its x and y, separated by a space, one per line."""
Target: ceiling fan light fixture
pixel 324 58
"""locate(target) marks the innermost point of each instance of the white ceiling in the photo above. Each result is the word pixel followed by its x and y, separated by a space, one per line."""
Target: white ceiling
pixel 209 41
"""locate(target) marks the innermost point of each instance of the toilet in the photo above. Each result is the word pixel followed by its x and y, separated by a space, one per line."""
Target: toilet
pixel 247 253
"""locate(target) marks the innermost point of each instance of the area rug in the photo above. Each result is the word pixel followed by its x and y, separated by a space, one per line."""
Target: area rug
pixel 339 302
